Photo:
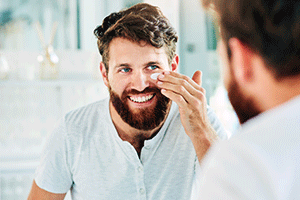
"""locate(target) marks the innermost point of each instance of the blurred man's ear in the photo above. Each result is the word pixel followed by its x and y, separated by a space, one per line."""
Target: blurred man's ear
pixel 175 63
pixel 241 61
pixel 104 74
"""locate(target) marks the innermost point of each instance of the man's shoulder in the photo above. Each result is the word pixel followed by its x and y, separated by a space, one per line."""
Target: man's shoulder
pixel 264 137
pixel 98 109
pixel 274 124
pixel 84 122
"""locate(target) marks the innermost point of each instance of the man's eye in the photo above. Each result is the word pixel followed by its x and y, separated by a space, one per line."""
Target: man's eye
pixel 125 70
pixel 153 67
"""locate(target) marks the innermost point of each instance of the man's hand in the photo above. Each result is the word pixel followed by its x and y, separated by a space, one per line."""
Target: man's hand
pixel 191 100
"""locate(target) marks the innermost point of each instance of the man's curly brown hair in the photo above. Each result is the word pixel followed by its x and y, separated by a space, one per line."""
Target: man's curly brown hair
pixel 139 23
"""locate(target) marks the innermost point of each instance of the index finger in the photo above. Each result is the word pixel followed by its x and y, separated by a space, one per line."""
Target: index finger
pixel 174 77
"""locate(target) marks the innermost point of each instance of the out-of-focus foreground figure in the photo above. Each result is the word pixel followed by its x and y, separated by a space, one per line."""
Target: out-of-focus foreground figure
pixel 260 50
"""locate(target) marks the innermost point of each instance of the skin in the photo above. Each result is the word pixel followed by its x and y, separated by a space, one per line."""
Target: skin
pixel 190 98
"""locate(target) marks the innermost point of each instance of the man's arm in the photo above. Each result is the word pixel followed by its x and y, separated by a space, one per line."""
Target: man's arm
pixel 191 100
pixel 53 173
pixel 38 193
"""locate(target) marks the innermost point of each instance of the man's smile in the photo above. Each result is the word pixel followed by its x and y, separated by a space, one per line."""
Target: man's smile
pixel 141 99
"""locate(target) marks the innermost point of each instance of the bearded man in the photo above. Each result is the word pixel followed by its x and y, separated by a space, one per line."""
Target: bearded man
pixel 131 145
pixel 260 50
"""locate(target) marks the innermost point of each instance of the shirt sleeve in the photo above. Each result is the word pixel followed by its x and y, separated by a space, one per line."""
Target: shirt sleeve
pixel 53 174
pixel 217 125
pixel 196 180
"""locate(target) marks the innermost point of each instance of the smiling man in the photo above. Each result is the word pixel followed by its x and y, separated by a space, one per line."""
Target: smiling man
pixel 137 106
pixel 131 145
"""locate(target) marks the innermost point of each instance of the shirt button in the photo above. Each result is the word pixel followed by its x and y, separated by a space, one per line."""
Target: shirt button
pixel 140 169
pixel 142 190
pixel 147 147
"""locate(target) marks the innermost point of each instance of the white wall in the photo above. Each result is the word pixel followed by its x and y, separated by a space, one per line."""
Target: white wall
pixel 170 8
pixel 194 54
pixel 92 14
pixel 88 22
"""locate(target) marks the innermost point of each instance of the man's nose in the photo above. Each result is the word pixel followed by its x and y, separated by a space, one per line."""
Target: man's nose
pixel 140 81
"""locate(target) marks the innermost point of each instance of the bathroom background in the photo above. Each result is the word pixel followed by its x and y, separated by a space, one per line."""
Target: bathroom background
pixel 33 100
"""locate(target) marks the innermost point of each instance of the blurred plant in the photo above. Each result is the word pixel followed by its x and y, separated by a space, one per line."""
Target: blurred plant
pixel 5 17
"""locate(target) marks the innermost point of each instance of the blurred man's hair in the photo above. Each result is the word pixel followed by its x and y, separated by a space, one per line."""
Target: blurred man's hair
pixel 139 23
pixel 269 27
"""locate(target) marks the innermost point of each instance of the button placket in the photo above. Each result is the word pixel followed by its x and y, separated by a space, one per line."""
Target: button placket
pixel 140 169
pixel 142 191
pixel 141 182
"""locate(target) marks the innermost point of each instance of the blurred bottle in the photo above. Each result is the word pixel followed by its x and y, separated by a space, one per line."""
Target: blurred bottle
pixel 48 61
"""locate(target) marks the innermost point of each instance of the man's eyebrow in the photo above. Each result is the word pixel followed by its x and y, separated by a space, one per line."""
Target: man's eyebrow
pixel 122 65
pixel 128 65
pixel 153 63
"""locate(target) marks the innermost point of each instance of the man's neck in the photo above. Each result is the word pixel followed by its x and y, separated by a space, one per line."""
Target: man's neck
pixel 132 135
pixel 278 92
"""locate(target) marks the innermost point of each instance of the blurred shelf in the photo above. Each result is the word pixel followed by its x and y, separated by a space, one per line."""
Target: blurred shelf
pixel 18 166
pixel 51 83
pixel 31 108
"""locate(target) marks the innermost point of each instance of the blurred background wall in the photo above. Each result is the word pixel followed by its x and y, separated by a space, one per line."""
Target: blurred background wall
pixel 30 105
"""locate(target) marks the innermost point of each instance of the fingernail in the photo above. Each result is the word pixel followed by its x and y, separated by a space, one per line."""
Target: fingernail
pixel 159 83
pixel 161 76
pixel 154 76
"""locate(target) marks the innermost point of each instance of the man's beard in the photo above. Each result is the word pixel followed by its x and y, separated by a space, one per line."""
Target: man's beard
pixel 244 107
pixel 146 118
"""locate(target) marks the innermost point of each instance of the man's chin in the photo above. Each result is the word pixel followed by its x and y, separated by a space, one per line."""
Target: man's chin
pixel 141 117
pixel 147 118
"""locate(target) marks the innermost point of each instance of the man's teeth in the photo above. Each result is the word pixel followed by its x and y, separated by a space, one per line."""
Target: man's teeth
pixel 141 99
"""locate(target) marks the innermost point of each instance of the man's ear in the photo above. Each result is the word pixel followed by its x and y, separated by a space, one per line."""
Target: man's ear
pixel 241 61
pixel 104 73
pixel 175 63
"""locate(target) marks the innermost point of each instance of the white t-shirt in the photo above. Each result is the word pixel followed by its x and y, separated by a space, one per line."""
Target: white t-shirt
pixel 262 161
pixel 86 154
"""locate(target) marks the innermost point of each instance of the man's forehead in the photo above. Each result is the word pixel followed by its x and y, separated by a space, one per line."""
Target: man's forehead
pixel 124 49
pixel 118 41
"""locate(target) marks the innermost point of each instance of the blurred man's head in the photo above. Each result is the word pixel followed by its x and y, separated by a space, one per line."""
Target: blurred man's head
pixel 269 29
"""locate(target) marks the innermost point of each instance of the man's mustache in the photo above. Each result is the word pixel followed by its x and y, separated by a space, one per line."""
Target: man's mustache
pixel 136 92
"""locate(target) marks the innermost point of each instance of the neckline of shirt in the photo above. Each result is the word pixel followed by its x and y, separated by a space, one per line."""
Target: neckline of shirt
pixel 289 108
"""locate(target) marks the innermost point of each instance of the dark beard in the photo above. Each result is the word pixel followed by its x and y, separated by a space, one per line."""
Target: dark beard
pixel 244 107
pixel 144 119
